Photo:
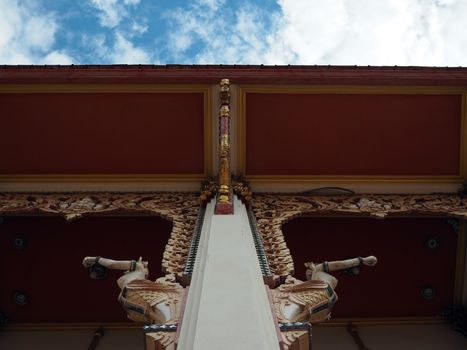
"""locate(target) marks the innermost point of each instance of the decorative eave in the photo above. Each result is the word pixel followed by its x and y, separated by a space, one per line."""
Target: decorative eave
pixel 271 212
pixel 274 210
pixel 240 74
pixel 180 208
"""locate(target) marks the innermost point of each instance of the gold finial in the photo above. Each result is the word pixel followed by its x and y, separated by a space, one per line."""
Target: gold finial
pixel 224 201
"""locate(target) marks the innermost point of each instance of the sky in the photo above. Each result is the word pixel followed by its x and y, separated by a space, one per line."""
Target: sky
pixel 269 32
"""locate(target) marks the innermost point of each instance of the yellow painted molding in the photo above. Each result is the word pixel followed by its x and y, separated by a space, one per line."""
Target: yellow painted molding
pixel 311 179
pixel 24 327
pixel 100 178
pixel 463 138
pixel 352 89
pixel 383 321
pixel 132 326
pixel 208 133
pixel 459 281
pixel 102 88
pixel 241 131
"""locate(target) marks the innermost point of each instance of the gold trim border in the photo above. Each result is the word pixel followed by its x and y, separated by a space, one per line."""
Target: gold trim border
pixel 459 282
pixel 132 326
pixel 346 89
pixel 100 178
pixel 463 138
pixel 383 321
pixel 25 327
pixel 102 88
pixel 206 90
pixel 353 179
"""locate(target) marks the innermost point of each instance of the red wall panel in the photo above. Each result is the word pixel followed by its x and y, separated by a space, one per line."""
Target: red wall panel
pixel 405 265
pixel 97 133
pixel 49 271
pixel 347 134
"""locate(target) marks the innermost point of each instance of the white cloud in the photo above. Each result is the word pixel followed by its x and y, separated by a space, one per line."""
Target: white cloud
pixel 125 52
pixel 213 5
pixel 382 32
pixel 40 32
pixel 138 28
pixel 111 12
pixel 361 32
pixel 27 35
pixel 57 57
pixel 376 32
pixel 115 15
pixel 122 51
pixel 222 40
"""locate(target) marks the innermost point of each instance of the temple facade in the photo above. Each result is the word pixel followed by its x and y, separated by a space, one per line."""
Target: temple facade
pixel 233 207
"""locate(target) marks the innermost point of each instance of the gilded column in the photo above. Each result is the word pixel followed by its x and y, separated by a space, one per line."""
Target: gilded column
pixel 224 204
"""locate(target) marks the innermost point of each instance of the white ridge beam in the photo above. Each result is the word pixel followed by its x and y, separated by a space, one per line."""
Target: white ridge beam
pixel 227 306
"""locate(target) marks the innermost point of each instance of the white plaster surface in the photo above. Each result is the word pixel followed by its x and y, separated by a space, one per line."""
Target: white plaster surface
pixel 227 306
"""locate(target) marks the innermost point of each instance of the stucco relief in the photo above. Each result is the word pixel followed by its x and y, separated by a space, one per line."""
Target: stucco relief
pixel 179 208
pixel 274 210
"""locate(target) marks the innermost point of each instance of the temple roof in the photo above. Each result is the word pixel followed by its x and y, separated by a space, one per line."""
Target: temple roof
pixel 242 74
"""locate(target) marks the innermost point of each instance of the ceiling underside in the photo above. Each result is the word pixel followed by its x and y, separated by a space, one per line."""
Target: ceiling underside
pixel 49 272
pixel 48 268
pixel 406 264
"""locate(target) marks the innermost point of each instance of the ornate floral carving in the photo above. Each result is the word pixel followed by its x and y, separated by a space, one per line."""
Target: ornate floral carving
pixel 163 291
pixel 304 296
pixel 242 189
pixel 208 190
pixel 273 210
pixel 180 208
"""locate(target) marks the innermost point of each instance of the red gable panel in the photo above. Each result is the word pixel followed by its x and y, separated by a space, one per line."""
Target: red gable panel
pixel 102 133
pixel 352 134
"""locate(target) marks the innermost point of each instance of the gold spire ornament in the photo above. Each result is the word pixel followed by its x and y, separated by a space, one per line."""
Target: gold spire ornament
pixel 224 203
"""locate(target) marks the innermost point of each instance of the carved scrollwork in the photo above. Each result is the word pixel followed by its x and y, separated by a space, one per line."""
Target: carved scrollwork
pixel 180 208
pixel 208 190
pixel 242 189
pixel 294 300
pixel 153 302
pixel 274 210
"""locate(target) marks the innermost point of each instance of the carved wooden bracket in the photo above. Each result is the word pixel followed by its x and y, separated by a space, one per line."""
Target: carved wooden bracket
pixel 296 340
pixel 295 336
pixel 180 208
pixel 274 210
pixel 160 341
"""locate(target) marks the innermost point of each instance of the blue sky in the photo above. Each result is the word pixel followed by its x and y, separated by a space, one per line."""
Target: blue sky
pixel 362 32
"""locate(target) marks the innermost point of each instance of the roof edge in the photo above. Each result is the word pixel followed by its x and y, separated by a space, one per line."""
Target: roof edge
pixel 239 74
